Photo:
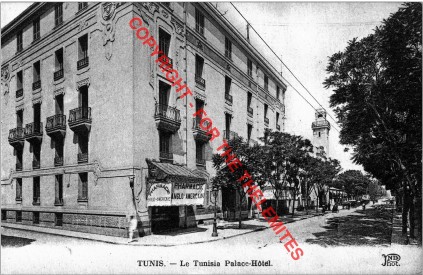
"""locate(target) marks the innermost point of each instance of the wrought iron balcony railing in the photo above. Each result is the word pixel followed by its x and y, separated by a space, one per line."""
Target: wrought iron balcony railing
pixel 15 134
pixel 82 63
pixel 200 81
pixel 33 129
pixel 58 74
pixel 35 164
pixel 228 98
pixel 56 121
pixel 36 85
pixel 229 134
pixel 36 200
pixel 166 156
pixel 58 201
pixel 82 157
pixel 58 161
pixel 168 112
pixel 81 114
pixel 266 121
pixel 18 166
pixel 250 111
pixel 320 124
pixel 19 92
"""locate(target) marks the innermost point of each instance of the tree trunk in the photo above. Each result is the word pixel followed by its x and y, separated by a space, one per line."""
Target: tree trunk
pixel 240 216
pixel 317 204
pixel 293 206
pixel 412 218
pixel 277 206
pixel 405 204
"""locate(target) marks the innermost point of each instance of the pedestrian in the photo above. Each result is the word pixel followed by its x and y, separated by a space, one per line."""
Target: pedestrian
pixel 132 227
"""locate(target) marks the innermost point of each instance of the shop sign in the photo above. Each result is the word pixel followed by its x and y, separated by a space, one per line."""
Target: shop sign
pixel 159 194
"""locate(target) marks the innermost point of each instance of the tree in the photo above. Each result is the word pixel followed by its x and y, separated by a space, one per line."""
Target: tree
pixel 375 190
pixel 377 95
pixel 282 157
pixel 354 183
pixel 227 179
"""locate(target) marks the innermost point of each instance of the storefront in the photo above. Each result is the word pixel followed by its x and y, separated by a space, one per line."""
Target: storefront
pixel 172 193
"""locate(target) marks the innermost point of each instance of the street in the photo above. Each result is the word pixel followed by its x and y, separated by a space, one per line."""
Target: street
pixel 326 241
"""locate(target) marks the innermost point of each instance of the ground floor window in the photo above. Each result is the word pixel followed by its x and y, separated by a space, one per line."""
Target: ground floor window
pixel 83 187
pixel 35 217
pixel 18 216
pixel 3 215
pixel 58 219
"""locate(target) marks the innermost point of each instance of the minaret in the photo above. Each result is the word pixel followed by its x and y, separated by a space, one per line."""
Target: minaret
pixel 321 128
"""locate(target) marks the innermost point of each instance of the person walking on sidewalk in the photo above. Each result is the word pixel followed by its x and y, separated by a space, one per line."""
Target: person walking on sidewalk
pixel 132 227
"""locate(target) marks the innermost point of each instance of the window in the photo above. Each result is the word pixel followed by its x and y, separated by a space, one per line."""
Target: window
pixel 200 159
pixel 319 134
pixel 82 148
pixel 58 158
pixel 58 198
pixel 35 217
pixel 82 5
pixel 199 64
pixel 265 110
pixel 36 29
pixel 228 82
pixel 266 83
pixel 278 127
pixel 58 219
pixel 59 60
pixel 19 154
pixel 58 14
pixel 165 150
pixel 19 45
pixel 36 147
pixel 83 187
pixel 18 189
pixel 83 47
pixel 164 93
pixel 249 131
pixel 278 93
pixel 36 191
pixel 249 99
pixel 228 48
pixel 59 104
pixel 18 216
pixel 164 42
pixel 199 21
pixel 228 120
pixel 36 71
pixel 37 117
pixel 19 118
pixel 250 67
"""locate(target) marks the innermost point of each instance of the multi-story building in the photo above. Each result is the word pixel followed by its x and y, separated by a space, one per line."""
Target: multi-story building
pixel 92 131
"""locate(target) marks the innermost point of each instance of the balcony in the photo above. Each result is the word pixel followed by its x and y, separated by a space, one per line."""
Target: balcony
pixel 199 133
pixel 58 161
pixel 18 166
pixel 35 164
pixel 166 157
pixel 168 119
pixel 36 201
pixel 80 119
pixel 200 82
pixel 250 111
pixel 320 124
pixel 17 137
pixel 228 98
pixel 278 127
pixel 58 74
pixel 200 161
pixel 36 85
pixel 56 126
pixel 84 62
pixel 34 132
pixel 266 121
pixel 228 135
pixel 19 92
pixel 58 201
pixel 82 157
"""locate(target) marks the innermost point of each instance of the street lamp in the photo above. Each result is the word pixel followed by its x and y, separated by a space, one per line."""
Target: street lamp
pixel 215 190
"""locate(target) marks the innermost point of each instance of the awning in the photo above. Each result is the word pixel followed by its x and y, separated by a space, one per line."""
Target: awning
pixel 172 185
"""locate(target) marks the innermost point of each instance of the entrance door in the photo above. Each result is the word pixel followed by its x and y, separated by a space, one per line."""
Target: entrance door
pixel 229 203
pixel 164 218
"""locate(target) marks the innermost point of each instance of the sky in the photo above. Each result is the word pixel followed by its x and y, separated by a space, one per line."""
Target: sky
pixel 304 35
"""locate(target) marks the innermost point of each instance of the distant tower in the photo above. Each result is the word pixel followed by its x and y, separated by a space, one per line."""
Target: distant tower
pixel 321 128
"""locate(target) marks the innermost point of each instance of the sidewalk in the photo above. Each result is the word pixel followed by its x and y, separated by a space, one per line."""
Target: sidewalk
pixel 200 234
pixel 397 237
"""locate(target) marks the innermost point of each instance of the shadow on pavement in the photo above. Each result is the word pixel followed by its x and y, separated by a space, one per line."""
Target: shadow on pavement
pixel 10 241
pixel 244 226
pixel 371 227
pixel 182 231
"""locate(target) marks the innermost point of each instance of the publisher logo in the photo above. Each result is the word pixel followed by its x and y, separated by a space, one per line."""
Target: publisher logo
pixel 391 259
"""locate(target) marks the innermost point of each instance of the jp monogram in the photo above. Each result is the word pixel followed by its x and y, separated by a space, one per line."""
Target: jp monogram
pixel 391 259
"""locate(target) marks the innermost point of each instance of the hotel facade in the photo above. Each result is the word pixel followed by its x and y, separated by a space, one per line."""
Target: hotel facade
pixel 92 132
